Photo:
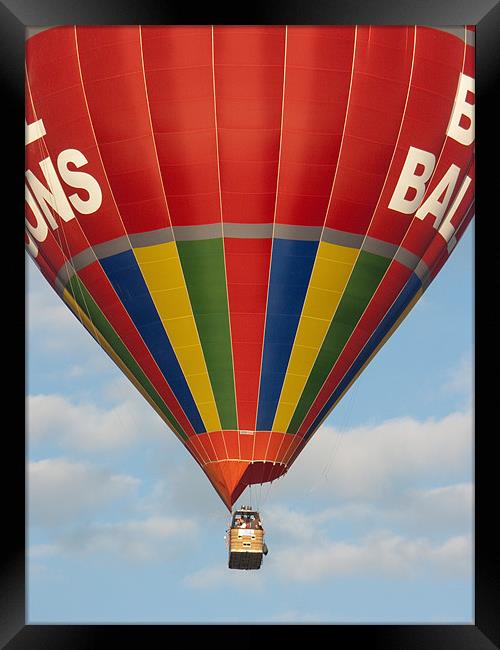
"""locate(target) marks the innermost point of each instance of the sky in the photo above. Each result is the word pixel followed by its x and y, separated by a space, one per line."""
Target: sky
pixel 372 524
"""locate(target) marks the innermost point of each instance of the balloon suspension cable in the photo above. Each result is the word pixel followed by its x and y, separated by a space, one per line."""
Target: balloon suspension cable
pixel 267 491
pixel 338 436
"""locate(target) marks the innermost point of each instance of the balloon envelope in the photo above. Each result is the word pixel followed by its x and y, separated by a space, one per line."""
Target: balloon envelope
pixel 241 216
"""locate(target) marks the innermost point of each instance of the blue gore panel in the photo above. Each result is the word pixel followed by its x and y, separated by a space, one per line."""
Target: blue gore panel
pixel 126 277
pixel 402 301
pixel 291 268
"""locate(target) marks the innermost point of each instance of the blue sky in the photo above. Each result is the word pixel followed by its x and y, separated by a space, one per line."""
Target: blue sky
pixel 373 523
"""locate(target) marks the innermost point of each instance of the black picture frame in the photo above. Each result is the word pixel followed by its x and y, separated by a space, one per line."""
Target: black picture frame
pixel 15 15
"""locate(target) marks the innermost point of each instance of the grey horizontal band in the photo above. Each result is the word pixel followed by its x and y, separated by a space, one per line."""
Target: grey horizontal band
pixel 422 272
pixel 248 230
pixel 85 258
pixel 406 258
pixel 112 247
pixel 194 233
pixel 302 233
pixel 152 238
pixel 240 230
pixel 379 247
pixel 340 238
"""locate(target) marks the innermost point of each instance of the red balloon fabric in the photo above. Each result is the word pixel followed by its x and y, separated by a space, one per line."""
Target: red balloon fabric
pixel 242 216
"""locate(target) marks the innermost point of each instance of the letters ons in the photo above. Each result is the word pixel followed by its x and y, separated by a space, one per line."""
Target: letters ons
pixel 45 200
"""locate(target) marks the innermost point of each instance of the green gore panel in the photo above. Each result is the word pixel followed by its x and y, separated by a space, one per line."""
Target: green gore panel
pixel 204 270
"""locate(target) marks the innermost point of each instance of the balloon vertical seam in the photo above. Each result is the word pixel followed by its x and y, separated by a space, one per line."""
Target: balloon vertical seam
pixel 273 230
pixel 223 239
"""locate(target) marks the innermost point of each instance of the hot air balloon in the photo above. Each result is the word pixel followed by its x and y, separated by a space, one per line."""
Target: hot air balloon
pixel 242 216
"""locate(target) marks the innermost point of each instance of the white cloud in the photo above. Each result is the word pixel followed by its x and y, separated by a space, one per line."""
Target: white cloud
pixel 67 499
pixel 53 325
pixel 282 522
pixel 379 554
pixel 89 428
pixel 154 538
pixel 185 487
pixel 47 312
pixel 372 461
pixel 42 550
pixel 151 539
pixel 453 557
pixel 461 379
pixel 61 491
pixel 438 511
pixel 58 335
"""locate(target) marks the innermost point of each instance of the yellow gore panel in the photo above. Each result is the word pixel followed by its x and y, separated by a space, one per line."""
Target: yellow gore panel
pixel 329 278
pixel 162 271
